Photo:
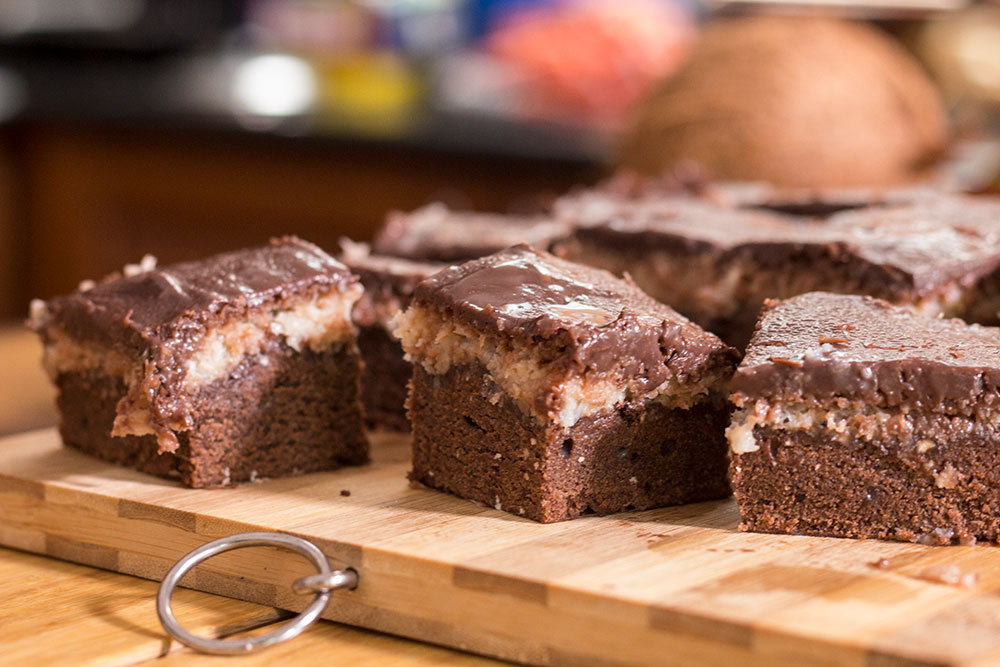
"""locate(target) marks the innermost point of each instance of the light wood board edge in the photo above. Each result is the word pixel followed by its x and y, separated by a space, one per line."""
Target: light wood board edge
pixel 460 607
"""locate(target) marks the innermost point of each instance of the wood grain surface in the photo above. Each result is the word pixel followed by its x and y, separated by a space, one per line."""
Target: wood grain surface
pixel 56 613
pixel 86 621
pixel 670 586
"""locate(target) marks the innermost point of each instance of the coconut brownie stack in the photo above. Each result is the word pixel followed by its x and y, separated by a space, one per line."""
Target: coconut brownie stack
pixel 860 419
pixel 408 248
pixel 239 366
pixel 548 389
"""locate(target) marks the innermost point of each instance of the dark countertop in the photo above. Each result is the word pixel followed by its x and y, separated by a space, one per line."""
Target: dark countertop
pixel 184 91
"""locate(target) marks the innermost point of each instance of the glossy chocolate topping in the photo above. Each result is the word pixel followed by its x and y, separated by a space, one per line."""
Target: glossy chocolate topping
pixel 595 321
pixel 624 193
pixel 818 347
pixel 153 305
pixel 902 249
pixel 929 242
pixel 436 233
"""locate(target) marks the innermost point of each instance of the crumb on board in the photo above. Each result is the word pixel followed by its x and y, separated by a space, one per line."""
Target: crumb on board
pixel 950 575
pixel 880 564
pixel 345 492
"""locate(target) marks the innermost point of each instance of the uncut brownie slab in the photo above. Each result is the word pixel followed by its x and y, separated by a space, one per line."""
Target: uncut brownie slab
pixel 936 254
pixel 240 366
pixel 549 389
pixel 436 233
pixel 389 283
pixel 857 418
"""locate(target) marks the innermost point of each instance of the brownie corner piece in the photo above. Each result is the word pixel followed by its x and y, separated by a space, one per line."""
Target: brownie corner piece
pixel 236 367
pixel 548 389
pixel 860 419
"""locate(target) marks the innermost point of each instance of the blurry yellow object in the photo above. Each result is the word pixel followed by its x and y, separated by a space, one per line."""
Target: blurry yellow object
pixel 375 92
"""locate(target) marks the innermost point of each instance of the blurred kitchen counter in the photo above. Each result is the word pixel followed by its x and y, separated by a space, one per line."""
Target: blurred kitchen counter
pixel 105 162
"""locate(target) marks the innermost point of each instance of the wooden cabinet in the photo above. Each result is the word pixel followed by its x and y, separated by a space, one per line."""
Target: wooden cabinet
pixel 85 199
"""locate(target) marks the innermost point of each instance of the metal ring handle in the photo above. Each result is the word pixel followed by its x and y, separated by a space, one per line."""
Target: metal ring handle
pixel 321 584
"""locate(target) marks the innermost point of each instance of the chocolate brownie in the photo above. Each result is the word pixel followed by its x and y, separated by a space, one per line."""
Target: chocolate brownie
pixel 937 254
pixel 857 418
pixel 389 283
pixel 240 366
pixel 436 233
pixel 627 193
pixel 549 389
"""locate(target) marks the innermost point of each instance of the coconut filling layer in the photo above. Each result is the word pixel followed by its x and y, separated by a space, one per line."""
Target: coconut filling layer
pixel 438 344
pixel 317 323
pixel 866 423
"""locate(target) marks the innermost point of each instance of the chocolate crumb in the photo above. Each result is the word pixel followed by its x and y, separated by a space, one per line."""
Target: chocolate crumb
pixel 786 361
pixel 949 575
pixel 967 230
pixel 345 492
pixel 833 340
pixel 881 564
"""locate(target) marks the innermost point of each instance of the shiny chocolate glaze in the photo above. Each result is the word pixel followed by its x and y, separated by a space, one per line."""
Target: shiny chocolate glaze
pixel 818 347
pixel 899 251
pixel 587 319
pixel 436 233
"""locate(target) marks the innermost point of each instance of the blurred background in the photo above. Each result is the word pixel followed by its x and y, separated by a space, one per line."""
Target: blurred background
pixel 185 127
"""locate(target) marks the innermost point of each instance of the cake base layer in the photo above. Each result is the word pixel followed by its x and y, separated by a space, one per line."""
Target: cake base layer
pixel 805 482
pixel 384 380
pixel 297 413
pixel 470 439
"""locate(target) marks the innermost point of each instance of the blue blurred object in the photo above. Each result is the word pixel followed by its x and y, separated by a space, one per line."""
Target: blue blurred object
pixel 486 14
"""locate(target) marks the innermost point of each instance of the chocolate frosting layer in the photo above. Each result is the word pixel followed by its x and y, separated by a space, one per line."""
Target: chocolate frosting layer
pixel 901 250
pixel 818 347
pixel 625 192
pixel 154 306
pixel 158 317
pixel 594 321
pixel 436 233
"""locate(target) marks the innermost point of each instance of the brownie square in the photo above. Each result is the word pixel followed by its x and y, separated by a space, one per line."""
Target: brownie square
pixel 240 366
pixel 933 252
pixel 389 283
pixel 436 233
pixel 859 419
pixel 549 389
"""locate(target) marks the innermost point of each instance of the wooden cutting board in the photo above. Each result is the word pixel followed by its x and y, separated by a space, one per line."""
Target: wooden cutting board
pixel 671 586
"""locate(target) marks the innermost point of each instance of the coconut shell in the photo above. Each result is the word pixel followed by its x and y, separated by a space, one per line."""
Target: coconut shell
pixel 813 102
